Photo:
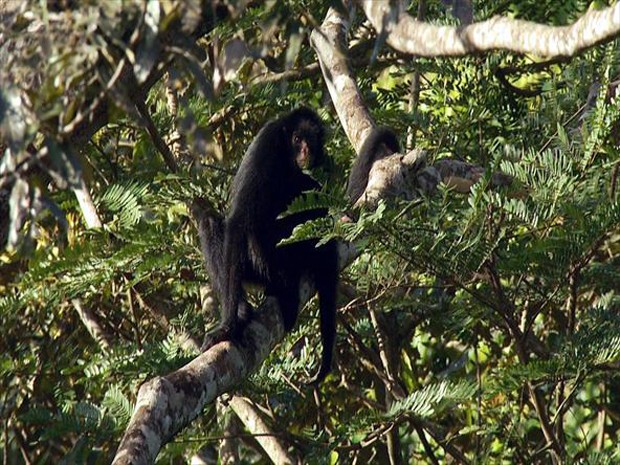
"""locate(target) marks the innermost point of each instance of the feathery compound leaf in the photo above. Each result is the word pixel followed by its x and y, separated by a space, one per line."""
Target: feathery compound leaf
pixel 117 403
pixel 433 399
pixel 311 200
pixel 124 200
pixel 309 230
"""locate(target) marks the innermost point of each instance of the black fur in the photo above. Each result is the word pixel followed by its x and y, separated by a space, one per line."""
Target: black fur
pixel 381 143
pixel 242 247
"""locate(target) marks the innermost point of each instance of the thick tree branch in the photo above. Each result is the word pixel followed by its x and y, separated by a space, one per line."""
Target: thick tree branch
pixel 167 404
pixel 408 35
pixel 273 446
pixel 87 206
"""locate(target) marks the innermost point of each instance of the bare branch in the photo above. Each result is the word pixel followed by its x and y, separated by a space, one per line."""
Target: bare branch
pixel 409 35
pixel 87 205
pixel 329 43
pixel 158 141
pixel 250 417
pixel 91 322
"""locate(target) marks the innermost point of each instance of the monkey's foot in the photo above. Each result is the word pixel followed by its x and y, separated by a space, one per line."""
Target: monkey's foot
pixel 216 336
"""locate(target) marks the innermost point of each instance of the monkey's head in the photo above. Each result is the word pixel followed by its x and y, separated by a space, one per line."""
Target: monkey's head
pixel 306 137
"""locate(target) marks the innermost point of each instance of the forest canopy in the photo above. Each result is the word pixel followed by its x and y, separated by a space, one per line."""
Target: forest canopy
pixel 478 309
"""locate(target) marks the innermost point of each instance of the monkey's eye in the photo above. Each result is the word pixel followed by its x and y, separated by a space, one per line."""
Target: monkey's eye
pixel 296 140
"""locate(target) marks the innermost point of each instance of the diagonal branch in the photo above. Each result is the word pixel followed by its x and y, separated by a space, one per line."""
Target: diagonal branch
pixel 167 404
pixel 329 44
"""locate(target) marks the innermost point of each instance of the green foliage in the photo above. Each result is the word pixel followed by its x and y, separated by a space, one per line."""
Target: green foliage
pixel 466 323
pixel 319 228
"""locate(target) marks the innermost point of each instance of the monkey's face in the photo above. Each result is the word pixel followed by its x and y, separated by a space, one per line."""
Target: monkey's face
pixel 307 149
pixel 303 155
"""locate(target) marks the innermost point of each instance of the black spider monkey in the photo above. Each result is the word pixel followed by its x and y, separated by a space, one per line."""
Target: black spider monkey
pixel 380 143
pixel 242 247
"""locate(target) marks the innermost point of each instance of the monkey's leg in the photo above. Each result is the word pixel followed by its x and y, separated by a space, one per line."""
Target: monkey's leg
pixel 287 294
pixel 290 265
